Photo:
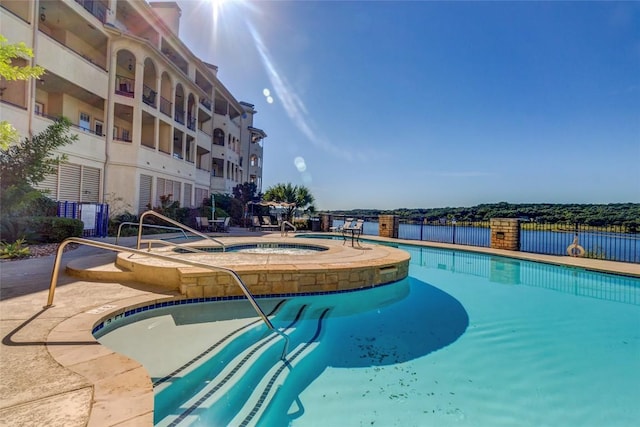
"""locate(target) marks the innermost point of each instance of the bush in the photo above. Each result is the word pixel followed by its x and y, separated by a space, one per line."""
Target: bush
pixel 115 221
pixel 41 229
pixel 14 250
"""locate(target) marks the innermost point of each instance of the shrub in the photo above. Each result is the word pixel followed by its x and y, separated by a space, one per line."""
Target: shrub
pixel 41 229
pixel 14 250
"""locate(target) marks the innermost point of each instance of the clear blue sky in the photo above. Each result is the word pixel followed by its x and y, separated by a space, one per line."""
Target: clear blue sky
pixel 431 104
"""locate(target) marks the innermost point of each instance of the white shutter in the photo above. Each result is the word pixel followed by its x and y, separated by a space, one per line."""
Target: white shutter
pixel 90 185
pixel 69 182
pixel 160 183
pixel 187 196
pixel 145 193
pixel 49 185
pixel 175 191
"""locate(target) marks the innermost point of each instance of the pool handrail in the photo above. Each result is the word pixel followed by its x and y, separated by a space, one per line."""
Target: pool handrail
pixel 176 223
pixel 283 228
pixel 122 224
pixel 185 247
pixel 56 270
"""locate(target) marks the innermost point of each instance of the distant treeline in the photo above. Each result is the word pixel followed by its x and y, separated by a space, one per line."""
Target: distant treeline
pixel 597 215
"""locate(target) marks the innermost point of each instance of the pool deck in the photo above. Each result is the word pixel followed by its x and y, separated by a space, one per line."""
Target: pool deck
pixel 52 371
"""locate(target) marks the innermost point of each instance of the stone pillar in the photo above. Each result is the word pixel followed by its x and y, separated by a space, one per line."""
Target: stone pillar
pixel 326 222
pixel 505 233
pixel 388 226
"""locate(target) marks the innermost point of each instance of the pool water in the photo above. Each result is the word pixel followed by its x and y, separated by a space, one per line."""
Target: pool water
pixel 467 340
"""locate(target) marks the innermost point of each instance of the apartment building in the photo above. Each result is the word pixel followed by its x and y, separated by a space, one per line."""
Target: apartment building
pixel 152 119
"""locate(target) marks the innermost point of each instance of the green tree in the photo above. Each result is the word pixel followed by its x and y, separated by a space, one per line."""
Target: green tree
pixel 292 197
pixel 8 71
pixel 245 192
pixel 27 163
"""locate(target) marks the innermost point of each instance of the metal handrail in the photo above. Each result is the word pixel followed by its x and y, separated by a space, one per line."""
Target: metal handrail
pixel 283 229
pixel 148 225
pixel 56 270
pixel 174 222
pixel 186 247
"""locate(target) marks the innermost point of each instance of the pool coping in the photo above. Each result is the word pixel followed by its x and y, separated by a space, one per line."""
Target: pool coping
pixel 107 388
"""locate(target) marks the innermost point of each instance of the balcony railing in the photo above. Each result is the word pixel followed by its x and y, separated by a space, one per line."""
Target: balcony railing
pixel 165 106
pixel 191 122
pixel 124 86
pixel 149 96
pixel 73 125
pixel 206 103
pixel 179 116
pixel 95 8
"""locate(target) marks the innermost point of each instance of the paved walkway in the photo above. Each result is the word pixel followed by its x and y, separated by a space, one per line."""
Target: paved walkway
pixel 47 376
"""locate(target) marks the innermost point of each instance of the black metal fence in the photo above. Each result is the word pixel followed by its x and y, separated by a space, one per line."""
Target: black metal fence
pixel 475 233
pixel 613 243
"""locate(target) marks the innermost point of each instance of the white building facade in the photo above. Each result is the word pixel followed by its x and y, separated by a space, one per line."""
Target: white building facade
pixel 152 119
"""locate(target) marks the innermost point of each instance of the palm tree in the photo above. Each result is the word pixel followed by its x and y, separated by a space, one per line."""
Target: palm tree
pixel 292 197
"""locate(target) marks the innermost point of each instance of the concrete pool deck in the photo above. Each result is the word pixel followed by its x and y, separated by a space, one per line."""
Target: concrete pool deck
pixel 52 371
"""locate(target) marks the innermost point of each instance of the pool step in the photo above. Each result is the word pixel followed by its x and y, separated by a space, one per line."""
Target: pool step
pixel 100 267
pixel 187 379
pixel 274 390
pixel 236 378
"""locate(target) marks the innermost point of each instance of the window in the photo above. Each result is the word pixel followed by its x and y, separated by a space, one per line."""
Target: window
pixel 125 135
pixel 115 132
pixel 98 127
pixel 85 121
pixel 39 109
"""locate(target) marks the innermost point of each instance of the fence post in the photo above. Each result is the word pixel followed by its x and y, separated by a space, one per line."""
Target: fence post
pixel 453 222
pixel 326 221
pixel 388 226
pixel 505 233
pixel 421 227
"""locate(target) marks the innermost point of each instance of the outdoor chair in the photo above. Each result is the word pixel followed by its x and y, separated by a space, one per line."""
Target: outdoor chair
pixel 225 224
pixel 348 222
pixel 355 231
pixel 266 223
pixel 202 223
pixel 256 223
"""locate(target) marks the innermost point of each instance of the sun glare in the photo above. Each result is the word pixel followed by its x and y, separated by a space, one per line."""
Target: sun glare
pixel 219 5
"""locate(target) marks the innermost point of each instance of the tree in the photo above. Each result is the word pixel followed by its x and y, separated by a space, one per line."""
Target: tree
pixel 296 197
pixel 27 163
pixel 245 192
pixel 31 160
pixel 8 71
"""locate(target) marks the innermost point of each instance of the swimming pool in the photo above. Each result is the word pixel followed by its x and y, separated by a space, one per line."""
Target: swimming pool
pixel 467 339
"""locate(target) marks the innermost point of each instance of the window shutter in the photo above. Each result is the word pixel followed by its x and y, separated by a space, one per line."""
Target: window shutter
pixel 49 185
pixel 69 182
pixel 187 196
pixel 145 192
pixel 90 185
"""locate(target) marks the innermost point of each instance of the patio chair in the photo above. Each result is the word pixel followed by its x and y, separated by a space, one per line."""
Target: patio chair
pixel 255 223
pixel 202 223
pixel 355 231
pixel 225 224
pixel 266 223
pixel 348 222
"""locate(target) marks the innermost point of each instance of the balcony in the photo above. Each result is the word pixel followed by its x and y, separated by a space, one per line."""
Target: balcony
pixel 191 122
pixel 124 86
pixel 149 96
pixel 206 103
pixel 179 116
pixel 95 8
pixel 165 106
